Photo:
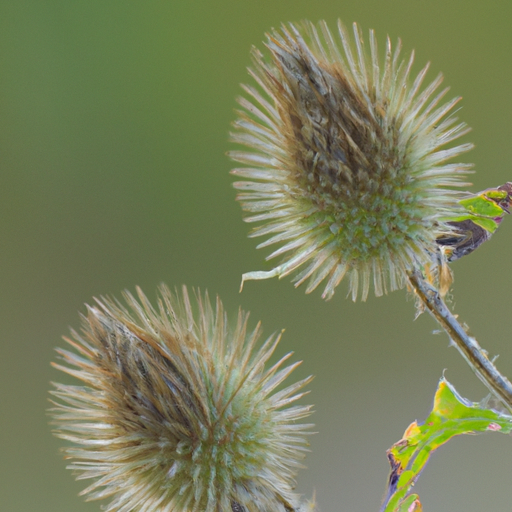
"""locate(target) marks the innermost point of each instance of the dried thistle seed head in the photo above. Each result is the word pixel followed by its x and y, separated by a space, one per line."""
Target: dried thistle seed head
pixel 177 412
pixel 347 161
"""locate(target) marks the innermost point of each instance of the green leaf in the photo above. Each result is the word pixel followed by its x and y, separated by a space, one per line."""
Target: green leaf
pixel 410 504
pixel 484 208
pixel 488 224
pixel 481 205
pixel 451 415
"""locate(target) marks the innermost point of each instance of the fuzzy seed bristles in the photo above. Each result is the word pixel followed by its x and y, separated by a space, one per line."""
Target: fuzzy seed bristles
pixel 346 170
pixel 177 411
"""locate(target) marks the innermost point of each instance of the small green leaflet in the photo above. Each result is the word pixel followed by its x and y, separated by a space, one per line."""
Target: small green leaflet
pixel 481 216
pixel 410 504
pixel 451 415
pixel 484 208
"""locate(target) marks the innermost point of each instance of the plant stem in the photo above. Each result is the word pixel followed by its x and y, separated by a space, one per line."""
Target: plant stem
pixel 469 348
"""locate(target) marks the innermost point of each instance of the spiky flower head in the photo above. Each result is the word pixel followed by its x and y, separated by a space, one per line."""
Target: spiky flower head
pixel 177 412
pixel 347 161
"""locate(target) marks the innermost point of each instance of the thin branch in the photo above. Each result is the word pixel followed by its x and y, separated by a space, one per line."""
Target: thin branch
pixel 469 348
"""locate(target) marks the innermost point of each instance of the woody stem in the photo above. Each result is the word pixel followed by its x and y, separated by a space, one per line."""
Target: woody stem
pixel 468 347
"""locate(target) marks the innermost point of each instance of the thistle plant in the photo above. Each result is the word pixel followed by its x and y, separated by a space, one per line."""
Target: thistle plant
pixel 348 170
pixel 178 412
pixel 348 159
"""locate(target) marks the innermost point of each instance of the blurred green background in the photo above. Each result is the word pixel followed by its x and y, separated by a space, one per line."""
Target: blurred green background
pixel 114 120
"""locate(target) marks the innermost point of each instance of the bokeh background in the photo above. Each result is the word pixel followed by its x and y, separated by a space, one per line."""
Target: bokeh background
pixel 114 120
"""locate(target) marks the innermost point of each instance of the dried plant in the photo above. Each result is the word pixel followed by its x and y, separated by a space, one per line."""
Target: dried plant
pixel 178 412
